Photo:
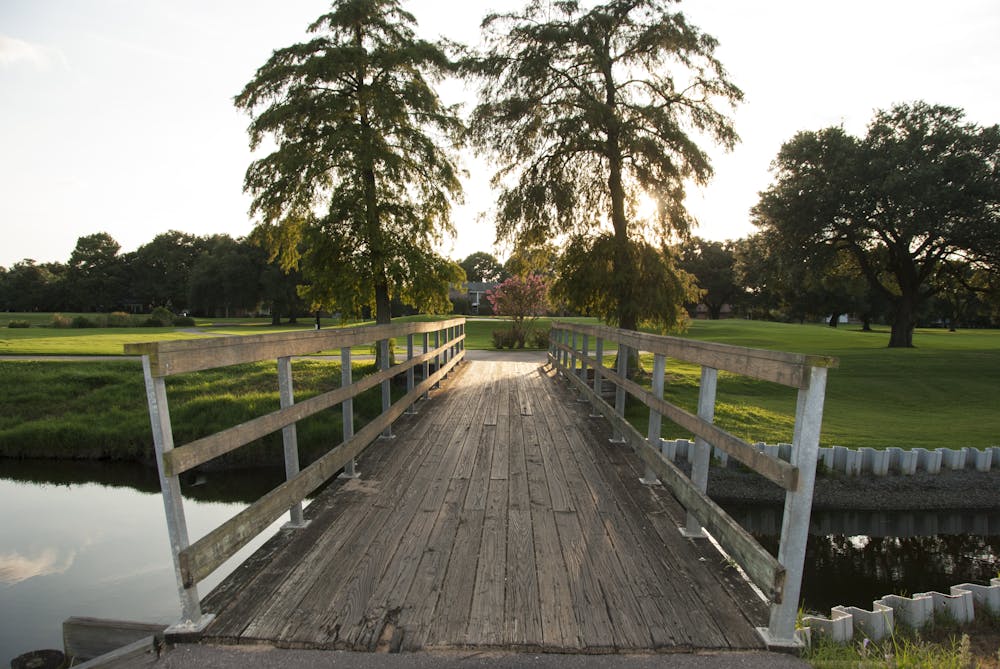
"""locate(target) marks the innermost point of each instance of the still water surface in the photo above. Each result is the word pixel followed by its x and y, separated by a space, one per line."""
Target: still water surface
pixel 86 539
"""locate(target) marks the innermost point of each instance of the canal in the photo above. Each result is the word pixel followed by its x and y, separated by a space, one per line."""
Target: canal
pixel 89 539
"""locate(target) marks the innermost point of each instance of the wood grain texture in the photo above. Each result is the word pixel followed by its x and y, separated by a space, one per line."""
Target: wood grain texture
pixel 484 525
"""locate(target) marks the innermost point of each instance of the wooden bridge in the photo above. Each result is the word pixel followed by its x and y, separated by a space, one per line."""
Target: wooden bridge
pixel 503 515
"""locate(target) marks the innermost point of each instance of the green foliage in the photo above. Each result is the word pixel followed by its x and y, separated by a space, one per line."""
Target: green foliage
pixel 18 324
pixel 523 300
pixel 587 111
pixel 483 267
pixel 712 264
pixel 360 185
pixel 919 189
pixel 60 321
pixel 161 317
pixel 589 283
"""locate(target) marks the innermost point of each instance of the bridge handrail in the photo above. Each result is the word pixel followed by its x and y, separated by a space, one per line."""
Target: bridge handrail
pixel 780 578
pixel 193 562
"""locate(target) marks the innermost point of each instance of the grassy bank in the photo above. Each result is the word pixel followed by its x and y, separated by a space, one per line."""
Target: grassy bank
pixel 942 393
pixel 98 409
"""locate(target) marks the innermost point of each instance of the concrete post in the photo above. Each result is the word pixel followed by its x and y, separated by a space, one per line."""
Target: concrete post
pixel 412 409
pixel 386 386
pixel 623 352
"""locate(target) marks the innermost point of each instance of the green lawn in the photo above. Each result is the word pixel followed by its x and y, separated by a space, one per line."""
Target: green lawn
pixel 942 393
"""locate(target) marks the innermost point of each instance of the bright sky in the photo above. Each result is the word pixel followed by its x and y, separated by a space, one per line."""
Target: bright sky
pixel 117 115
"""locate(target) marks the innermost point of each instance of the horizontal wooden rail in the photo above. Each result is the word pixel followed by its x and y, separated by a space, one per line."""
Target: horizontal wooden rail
pixel 205 555
pixel 193 562
pixel 777 366
pixel 780 578
pixel 762 567
pixel 775 470
pixel 200 451
pixel 191 355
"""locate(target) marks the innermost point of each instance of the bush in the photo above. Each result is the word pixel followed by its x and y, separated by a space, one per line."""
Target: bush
pixel 19 324
pixel 120 319
pixel 540 338
pixel 161 317
pixel 82 322
pixel 508 338
pixel 60 321
pixel 184 321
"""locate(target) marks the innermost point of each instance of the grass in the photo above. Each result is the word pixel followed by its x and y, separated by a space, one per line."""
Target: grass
pixel 942 393
pixel 98 410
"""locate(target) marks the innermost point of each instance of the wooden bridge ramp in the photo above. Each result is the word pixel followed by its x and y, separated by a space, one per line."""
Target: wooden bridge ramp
pixel 500 517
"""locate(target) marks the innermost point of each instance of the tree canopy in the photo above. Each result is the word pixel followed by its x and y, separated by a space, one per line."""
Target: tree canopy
pixel 589 110
pixel 362 179
pixel 921 188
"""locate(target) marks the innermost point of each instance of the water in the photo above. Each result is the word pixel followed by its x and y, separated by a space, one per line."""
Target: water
pixel 89 539
pixel 82 539
pixel 856 557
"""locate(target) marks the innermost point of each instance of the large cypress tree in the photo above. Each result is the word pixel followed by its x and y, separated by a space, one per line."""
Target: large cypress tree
pixel 361 181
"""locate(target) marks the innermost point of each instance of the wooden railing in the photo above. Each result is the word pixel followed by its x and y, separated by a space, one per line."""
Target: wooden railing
pixel 780 579
pixel 443 347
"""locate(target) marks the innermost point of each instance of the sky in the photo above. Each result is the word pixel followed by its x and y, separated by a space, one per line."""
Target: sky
pixel 116 115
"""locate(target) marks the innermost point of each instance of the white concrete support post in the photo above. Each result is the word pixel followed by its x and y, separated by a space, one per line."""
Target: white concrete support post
pixel 798 507
pixel 564 354
pixel 572 354
pixel 347 407
pixel 585 353
pixel 410 372
pixel 192 619
pixel 702 450
pixel 289 437
pixel 386 386
pixel 655 418
pixel 598 382
pixel 623 352
pixel 427 364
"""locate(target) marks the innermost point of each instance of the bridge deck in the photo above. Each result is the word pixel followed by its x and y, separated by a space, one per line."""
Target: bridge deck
pixel 500 517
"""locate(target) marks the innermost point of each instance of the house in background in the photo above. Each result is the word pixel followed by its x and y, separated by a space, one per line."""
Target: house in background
pixel 471 300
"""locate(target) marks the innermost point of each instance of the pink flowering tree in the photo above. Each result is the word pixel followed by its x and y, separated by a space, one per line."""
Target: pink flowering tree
pixel 523 300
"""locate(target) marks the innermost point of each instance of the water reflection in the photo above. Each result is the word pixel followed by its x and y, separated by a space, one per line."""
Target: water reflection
pixel 854 558
pixel 90 539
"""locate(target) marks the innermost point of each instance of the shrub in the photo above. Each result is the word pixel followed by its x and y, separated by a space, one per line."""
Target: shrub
pixel 506 339
pixel 540 338
pixel 82 322
pixel 184 321
pixel 19 324
pixel 161 317
pixel 120 319
pixel 60 321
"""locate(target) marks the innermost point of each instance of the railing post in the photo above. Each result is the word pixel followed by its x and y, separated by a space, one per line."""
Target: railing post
pixel 386 387
pixel 798 507
pixel 412 409
pixel 583 362
pixel 437 356
pixel 347 407
pixel 598 381
pixel 572 354
pixel 623 352
pixel 427 363
pixel 702 449
pixel 192 619
pixel 289 437
pixel 655 418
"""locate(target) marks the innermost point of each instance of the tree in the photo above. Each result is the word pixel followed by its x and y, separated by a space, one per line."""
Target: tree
pixel 360 184
pixel 712 265
pixel 226 277
pixel 587 261
pixel 920 189
pixel 523 299
pixel 95 273
pixel 161 269
pixel 483 267
pixel 590 110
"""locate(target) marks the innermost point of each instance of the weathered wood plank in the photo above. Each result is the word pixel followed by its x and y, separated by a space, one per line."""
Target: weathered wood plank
pixel 178 357
pixel 490 588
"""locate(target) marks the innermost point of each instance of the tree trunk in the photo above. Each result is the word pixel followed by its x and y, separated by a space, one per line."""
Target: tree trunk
pixel 902 325
pixel 834 319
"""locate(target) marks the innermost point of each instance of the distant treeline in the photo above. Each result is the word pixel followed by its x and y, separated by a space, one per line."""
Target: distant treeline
pixel 209 276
